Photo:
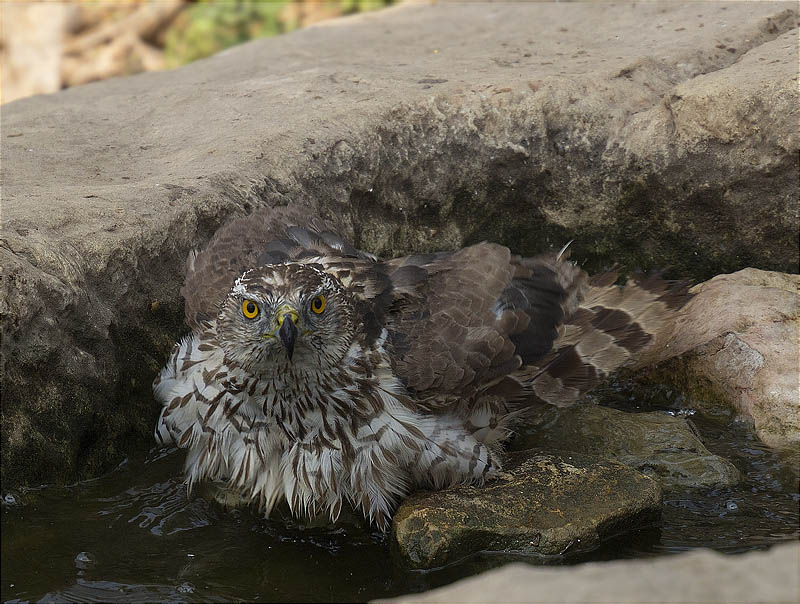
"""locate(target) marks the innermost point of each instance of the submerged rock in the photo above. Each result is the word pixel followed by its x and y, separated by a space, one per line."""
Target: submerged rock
pixel 657 444
pixel 543 504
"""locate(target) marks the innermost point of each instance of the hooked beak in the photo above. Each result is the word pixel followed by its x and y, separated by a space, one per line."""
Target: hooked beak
pixel 287 319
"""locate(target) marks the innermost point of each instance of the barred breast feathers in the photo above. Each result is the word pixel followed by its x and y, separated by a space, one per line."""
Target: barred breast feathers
pixel 362 441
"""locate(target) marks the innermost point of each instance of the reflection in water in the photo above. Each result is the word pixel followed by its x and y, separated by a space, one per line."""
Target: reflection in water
pixel 135 535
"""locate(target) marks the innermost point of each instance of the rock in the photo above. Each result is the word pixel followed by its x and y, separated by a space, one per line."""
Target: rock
pixel 697 576
pixel 739 336
pixel 654 443
pixel 543 505
pixel 647 138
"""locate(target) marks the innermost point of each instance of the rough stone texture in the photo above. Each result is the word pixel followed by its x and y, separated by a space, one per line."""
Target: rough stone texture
pixel 742 334
pixel 698 576
pixel 650 133
pixel 655 444
pixel 544 505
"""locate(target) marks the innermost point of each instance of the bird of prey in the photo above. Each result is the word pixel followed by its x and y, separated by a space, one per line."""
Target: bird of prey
pixel 318 374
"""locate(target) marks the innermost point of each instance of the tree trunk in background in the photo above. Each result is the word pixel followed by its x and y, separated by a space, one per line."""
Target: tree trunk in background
pixel 31 46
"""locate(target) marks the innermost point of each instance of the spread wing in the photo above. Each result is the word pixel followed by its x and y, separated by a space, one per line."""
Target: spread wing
pixel 267 236
pixel 462 321
pixel 611 327
pixel 457 322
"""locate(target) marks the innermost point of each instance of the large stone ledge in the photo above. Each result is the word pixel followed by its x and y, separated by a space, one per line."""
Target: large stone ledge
pixel 652 134
pixel 698 576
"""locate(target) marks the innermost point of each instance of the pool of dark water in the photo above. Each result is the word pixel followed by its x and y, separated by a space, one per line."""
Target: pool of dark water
pixel 135 535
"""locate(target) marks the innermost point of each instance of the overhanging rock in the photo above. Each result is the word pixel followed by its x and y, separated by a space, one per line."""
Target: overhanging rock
pixel 653 134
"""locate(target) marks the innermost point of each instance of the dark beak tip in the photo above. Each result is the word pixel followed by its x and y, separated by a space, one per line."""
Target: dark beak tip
pixel 288 336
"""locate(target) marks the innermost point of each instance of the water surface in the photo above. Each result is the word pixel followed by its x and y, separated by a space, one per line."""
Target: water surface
pixel 135 535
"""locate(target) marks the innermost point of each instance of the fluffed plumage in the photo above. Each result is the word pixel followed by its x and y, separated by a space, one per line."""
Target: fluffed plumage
pixel 319 374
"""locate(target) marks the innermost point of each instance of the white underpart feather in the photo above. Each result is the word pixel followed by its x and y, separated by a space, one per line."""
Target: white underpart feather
pixel 397 450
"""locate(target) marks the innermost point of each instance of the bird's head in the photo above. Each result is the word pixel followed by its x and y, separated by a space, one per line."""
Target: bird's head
pixel 286 315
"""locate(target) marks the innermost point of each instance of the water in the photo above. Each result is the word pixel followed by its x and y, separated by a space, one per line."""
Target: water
pixel 135 535
pixel 763 509
pixel 760 511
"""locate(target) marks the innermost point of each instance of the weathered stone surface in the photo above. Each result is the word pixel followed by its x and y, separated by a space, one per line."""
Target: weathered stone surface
pixel 698 576
pixel 655 444
pixel 649 133
pixel 543 505
pixel 741 332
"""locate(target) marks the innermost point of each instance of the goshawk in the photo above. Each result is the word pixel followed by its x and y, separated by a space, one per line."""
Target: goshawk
pixel 318 374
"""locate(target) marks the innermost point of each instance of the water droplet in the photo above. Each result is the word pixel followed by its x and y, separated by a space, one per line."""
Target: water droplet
pixel 185 588
pixel 85 560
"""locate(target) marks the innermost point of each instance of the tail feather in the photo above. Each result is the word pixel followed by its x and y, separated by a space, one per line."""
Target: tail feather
pixel 610 327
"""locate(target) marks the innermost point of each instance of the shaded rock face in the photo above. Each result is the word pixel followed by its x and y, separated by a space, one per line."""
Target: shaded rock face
pixel 655 443
pixel 544 505
pixel 651 134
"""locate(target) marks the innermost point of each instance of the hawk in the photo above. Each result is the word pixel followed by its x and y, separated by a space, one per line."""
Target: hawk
pixel 321 375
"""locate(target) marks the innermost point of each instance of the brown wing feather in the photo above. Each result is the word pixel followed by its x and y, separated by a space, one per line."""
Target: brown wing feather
pixel 461 320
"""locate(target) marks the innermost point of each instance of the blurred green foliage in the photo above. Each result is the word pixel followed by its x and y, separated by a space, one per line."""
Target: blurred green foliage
pixel 208 26
pixel 356 6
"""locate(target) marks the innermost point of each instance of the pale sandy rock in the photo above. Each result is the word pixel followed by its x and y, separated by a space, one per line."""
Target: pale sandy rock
pixel 698 576
pixel 31 47
pixel 740 339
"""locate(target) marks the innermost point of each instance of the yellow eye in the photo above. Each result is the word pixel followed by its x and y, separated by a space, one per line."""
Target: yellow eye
pixel 249 309
pixel 318 304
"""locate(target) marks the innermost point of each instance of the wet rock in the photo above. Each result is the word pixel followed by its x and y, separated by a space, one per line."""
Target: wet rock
pixel 739 339
pixel 544 505
pixel 698 576
pixel 655 443
pixel 418 131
